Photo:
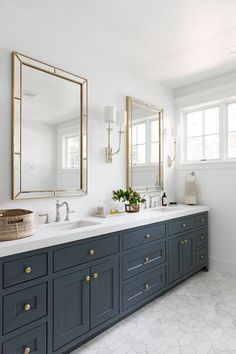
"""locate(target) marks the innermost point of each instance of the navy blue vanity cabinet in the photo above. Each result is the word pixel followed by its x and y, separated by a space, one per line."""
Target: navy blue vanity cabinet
pixel 55 299
pixel 187 246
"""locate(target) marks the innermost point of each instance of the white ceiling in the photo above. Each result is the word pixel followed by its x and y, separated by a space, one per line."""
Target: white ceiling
pixel 176 42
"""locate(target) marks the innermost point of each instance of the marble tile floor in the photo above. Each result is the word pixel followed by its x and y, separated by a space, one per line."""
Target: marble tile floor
pixel 196 317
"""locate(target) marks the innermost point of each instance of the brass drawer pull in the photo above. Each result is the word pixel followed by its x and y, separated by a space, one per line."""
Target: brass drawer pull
pixel 91 252
pixel 185 241
pixel 183 225
pixel 27 350
pixel 203 220
pixel 146 286
pixel 147 236
pixel 27 307
pixel 202 257
pixel 202 237
pixel 146 259
pixel 87 278
pixel 95 275
pixel 28 270
pixel 182 242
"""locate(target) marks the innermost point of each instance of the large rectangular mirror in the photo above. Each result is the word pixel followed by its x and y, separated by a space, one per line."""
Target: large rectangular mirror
pixel 49 130
pixel 144 146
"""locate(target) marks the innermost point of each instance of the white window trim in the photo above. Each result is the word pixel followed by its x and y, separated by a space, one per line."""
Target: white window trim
pixel 224 161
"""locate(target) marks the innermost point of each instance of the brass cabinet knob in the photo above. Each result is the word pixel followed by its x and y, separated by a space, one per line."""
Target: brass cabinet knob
pixel 146 259
pixel 28 270
pixel 91 252
pixel 202 257
pixel 185 241
pixel 147 236
pixel 27 307
pixel 87 278
pixel 146 286
pixel 27 350
pixel 182 242
pixel 95 275
pixel 202 237
pixel 183 225
pixel 203 220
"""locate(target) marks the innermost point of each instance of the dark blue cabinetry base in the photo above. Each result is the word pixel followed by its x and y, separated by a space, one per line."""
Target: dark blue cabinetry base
pixel 53 300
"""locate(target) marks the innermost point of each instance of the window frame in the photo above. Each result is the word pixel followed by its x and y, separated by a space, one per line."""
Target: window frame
pixel 223 132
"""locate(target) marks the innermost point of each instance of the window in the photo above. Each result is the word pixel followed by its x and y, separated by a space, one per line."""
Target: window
pixel 209 133
pixel 145 142
pixel 202 134
pixel 231 114
pixel 139 143
pixel 154 141
pixel 70 152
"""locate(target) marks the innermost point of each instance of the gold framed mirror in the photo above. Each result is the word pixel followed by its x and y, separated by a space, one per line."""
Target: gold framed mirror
pixel 144 146
pixel 49 130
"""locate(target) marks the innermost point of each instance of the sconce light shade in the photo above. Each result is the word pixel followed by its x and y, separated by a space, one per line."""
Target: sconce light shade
pixel 110 114
pixel 121 117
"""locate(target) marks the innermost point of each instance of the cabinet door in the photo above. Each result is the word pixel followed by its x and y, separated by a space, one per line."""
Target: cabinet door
pixel 175 258
pixel 104 291
pixel 189 253
pixel 71 307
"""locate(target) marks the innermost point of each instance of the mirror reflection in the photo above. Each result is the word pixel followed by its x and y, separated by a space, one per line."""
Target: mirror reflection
pixel 49 145
pixel 144 146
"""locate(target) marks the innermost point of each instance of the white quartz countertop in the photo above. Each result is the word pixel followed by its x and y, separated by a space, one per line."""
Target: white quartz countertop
pixel 46 236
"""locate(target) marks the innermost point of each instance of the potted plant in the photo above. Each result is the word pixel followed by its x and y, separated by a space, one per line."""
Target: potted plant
pixel 131 198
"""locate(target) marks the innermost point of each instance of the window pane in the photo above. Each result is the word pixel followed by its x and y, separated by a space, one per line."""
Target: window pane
pixel 212 120
pixel 232 116
pixel 154 130
pixel 154 152
pixel 194 124
pixel 141 133
pixel 212 147
pixel 134 135
pixel 139 154
pixel 194 149
pixel 232 145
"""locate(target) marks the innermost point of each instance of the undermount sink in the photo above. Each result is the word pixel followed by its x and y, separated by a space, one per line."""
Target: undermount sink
pixel 73 225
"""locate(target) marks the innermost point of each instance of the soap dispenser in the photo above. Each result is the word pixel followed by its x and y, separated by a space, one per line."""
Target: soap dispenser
pixel 164 200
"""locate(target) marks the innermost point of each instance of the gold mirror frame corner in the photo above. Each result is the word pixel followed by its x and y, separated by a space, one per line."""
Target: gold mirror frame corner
pixel 160 112
pixel 55 71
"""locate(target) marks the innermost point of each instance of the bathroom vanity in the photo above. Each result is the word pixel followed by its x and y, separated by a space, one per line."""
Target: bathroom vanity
pixel 61 288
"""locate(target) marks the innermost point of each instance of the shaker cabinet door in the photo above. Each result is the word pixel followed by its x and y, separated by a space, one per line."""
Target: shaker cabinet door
pixel 71 307
pixel 189 253
pixel 175 259
pixel 104 291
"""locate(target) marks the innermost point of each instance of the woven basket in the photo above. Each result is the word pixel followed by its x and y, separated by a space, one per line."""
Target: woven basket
pixel 16 224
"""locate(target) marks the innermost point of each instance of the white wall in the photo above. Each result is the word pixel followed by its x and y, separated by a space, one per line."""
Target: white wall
pixel 47 35
pixel 216 182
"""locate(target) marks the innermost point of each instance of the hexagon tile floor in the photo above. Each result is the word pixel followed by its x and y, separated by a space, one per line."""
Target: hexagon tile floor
pixel 197 317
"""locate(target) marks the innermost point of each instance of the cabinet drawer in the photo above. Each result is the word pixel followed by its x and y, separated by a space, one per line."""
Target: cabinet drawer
pixel 33 341
pixel 181 225
pixel 74 255
pixel 24 307
pixel 144 259
pixel 144 235
pixel 138 289
pixel 201 256
pixel 201 220
pixel 24 269
pixel 201 237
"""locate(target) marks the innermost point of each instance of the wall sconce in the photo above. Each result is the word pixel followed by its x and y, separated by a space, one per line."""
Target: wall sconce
pixel 118 117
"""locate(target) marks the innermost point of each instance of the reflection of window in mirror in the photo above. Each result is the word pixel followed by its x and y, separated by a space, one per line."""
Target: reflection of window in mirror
pixel 70 158
pixel 145 142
